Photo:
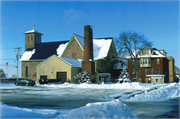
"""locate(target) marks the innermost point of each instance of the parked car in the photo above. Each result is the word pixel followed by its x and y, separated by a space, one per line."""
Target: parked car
pixel 25 82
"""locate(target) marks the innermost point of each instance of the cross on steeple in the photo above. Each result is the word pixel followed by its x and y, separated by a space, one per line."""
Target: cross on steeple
pixel 33 26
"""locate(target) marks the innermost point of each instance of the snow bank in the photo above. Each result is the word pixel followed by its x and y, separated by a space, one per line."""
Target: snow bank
pixel 134 85
pixel 17 112
pixel 111 109
pixel 163 93
pixel 61 48
pixel 27 55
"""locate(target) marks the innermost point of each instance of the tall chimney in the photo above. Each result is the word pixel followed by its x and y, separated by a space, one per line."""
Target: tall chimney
pixel 88 62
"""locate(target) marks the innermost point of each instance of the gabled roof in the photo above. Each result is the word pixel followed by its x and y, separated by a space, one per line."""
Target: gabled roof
pixel 101 46
pixel 72 62
pixel 154 53
pixel 41 51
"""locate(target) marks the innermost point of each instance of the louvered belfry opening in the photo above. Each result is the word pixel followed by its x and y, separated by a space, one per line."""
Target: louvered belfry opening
pixel 88 62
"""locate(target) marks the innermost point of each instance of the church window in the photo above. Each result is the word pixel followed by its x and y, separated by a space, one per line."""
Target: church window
pixel 26 71
pixel 32 38
pixel 74 55
pixel 28 38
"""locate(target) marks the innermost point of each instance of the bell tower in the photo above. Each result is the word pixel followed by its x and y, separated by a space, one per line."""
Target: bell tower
pixel 32 38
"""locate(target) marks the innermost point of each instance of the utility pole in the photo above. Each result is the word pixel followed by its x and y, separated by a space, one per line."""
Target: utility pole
pixel 17 57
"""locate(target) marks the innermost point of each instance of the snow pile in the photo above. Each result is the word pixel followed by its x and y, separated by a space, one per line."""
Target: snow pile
pixel 61 48
pixel 27 55
pixel 133 85
pixel 163 93
pixel 101 48
pixel 17 112
pixel 112 109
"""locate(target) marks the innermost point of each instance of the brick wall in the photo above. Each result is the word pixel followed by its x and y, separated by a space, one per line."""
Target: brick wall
pixel 31 69
pixel 163 66
pixel 74 48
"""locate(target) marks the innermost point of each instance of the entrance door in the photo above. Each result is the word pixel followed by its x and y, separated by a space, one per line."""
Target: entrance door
pixel 62 76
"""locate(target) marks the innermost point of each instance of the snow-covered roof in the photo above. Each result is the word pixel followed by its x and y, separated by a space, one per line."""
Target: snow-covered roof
pixel 154 53
pixel 61 49
pixel 44 50
pixel 32 31
pixel 120 65
pixel 73 62
pixel 27 55
pixel 101 46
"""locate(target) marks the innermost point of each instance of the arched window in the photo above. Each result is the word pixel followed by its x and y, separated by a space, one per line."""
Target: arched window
pixel 26 71
pixel 32 38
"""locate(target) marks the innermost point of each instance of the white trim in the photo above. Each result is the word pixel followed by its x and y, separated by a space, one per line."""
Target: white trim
pixel 151 75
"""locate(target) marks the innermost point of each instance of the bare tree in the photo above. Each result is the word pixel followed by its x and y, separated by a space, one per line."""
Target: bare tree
pixel 131 44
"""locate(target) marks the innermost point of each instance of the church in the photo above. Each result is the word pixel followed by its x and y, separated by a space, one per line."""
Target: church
pixel 62 60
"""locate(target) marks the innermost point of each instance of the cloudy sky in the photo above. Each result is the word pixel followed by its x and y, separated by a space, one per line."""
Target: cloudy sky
pixel 58 20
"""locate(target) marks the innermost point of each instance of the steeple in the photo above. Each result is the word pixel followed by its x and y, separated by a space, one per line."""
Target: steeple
pixel 32 38
pixel 33 26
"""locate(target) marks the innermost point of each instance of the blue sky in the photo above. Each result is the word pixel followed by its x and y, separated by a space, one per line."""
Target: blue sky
pixel 58 20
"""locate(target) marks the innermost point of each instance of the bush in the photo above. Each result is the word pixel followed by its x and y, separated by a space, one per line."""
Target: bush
pixel 84 77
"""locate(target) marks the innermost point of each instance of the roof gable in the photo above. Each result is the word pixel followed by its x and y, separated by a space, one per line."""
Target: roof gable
pixel 70 62
pixel 74 39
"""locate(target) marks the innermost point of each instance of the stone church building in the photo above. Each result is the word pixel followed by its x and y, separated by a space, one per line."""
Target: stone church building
pixel 62 60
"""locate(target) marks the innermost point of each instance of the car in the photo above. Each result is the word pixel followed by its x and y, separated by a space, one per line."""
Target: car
pixel 25 82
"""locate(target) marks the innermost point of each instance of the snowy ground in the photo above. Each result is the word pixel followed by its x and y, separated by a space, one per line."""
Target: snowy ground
pixel 127 100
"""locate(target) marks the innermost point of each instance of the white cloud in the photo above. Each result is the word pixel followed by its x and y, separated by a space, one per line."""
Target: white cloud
pixel 71 16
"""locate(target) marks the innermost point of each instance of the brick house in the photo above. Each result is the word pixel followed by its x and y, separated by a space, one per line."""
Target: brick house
pixel 153 67
pixel 98 58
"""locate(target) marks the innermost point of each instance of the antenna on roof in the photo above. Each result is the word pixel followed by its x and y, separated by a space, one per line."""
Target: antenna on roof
pixel 33 26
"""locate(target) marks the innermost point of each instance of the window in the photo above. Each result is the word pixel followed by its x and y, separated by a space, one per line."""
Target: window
pixel 32 38
pixel 145 71
pixel 158 70
pixel 74 55
pixel 152 71
pixel 139 72
pixel 149 61
pixel 157 60
pixel 26 71
pixel 133 71
pixel 28 38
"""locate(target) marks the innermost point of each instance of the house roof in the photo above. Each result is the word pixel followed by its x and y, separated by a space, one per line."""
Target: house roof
pixel 101 46
pixel 154 53
pixel 121 65
pixel 72 62
pixel 42 51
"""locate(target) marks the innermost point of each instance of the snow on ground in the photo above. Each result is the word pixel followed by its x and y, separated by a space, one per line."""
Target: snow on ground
pixel 17 112
pixel 112 109
pixel 109 109
pixel 163 93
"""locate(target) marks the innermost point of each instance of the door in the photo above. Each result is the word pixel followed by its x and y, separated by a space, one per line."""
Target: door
pixel 43 79
pixel 62 76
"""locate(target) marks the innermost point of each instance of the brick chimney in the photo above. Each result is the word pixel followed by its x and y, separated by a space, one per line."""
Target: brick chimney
pixel 88 62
